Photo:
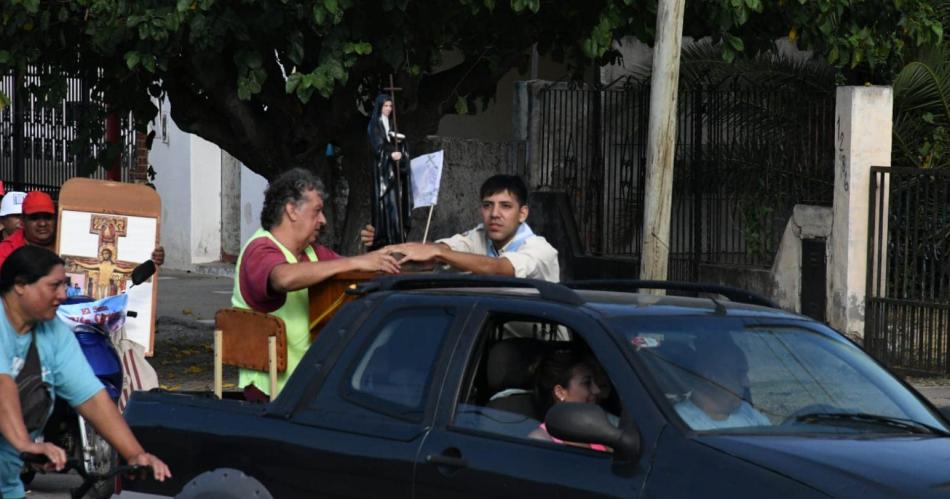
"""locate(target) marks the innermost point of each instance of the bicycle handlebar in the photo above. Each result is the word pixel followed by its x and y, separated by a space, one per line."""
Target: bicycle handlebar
pixel 89 479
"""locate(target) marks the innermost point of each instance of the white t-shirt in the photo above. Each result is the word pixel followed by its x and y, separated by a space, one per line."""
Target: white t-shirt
pixel 743 417
pixel 534 259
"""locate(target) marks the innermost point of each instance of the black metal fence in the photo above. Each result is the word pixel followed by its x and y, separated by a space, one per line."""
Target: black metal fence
pixel 39 140
pixel 744 157
pixel 907 311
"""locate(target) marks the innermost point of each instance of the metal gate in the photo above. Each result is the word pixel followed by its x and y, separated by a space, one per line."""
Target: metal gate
pixel 745 155
pixel 39 146
pixel 907 309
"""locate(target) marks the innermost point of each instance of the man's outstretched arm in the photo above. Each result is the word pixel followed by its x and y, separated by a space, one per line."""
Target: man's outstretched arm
pixel 288 277
pixel 440 252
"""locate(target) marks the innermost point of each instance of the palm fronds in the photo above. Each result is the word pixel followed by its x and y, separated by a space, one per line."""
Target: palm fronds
pixel 922 110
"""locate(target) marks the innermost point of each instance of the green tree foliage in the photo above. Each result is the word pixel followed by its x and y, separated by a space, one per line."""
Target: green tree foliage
pixel 922 103
pixel 922 111
pixel 273 81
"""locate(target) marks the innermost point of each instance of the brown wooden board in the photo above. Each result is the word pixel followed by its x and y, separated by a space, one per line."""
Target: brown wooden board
pixel 328 296
pixel 98 215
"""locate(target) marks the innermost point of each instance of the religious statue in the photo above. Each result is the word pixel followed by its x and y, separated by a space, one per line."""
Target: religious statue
pixel 392 191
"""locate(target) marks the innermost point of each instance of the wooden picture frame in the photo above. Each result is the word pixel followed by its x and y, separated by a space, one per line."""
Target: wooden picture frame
pixel 111 227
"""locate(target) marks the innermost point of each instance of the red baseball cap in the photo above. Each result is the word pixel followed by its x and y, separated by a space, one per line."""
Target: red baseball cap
pixel 38 202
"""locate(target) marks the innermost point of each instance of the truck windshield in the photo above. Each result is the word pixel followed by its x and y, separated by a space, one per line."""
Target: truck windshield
pixel 725 374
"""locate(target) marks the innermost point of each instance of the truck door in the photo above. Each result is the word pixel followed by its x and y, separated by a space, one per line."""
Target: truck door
pixel 486 440
pixel 373 409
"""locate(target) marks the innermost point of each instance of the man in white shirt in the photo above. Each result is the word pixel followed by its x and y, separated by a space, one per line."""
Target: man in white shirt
pixel 720 385
pixel 503 244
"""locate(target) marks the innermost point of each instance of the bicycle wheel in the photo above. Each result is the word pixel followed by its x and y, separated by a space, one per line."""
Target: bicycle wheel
pixel 98 457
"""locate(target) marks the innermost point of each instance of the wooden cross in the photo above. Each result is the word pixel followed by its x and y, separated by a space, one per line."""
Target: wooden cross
pixel 392 89
pixel 109 229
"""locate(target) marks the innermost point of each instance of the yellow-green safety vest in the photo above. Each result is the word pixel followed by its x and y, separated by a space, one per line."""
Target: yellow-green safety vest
pixel 295 313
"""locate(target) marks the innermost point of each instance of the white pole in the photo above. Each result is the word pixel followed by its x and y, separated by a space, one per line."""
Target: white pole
pixel 661 144
pixel 425 235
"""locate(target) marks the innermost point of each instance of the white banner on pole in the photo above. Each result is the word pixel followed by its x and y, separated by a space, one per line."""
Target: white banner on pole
pixel 426 177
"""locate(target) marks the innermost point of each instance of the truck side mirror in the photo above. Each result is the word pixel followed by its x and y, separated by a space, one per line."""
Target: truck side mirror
pixel 587 423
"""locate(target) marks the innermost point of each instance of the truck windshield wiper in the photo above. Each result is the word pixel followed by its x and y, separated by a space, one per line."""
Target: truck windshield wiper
pixel 873 419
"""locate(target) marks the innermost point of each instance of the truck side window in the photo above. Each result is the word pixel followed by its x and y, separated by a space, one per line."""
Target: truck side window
pixel 394 372
pixel 502 391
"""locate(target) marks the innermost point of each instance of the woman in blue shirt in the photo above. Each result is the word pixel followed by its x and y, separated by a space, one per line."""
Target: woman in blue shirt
pixel 32 286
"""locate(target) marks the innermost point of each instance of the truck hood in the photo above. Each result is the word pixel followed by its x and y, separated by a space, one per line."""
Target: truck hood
pixel 867 467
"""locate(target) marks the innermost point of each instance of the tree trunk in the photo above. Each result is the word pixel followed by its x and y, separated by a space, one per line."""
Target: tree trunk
pixel 352 193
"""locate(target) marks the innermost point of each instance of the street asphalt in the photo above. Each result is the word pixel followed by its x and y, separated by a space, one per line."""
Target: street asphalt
pixel 189 300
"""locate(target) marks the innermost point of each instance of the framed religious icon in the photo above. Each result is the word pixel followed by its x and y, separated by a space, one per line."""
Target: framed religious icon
pixel 104 230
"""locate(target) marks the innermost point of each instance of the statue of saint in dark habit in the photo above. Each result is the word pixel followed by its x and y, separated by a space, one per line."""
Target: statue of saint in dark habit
pixel 392 190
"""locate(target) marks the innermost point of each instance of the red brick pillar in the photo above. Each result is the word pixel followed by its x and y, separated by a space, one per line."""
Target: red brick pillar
pixel 113 136
pixel 138 173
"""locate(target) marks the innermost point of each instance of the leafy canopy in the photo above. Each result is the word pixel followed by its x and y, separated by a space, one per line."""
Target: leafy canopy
pixel 272 81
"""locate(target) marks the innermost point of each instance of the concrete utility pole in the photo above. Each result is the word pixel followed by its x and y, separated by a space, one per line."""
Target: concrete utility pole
pixel 661 143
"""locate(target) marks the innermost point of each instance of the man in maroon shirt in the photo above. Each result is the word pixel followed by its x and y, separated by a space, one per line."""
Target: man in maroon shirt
pixel 282 260
pixel 264 274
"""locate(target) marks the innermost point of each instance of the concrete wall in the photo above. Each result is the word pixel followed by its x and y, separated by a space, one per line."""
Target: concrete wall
pixel 252 200
pixel 170 156
pixel 755 279
pixel 230 207
pixel 205 201
pixel 467 164
pixel 806 222
pixel 863 120
pixel 495 122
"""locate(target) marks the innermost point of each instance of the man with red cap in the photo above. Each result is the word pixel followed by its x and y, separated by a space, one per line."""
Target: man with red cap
pixel 39 228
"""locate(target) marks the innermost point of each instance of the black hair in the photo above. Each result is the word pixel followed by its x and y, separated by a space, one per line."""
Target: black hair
pixel 713 352
pixel 27 265
pixel 288 187
pixel 556 368
pixel 502 183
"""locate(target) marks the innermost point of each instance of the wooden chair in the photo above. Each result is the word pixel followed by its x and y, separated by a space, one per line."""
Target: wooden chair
pixel 251 340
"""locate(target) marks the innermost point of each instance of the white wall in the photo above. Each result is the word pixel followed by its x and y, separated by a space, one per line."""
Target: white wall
pixel 205 201
pixel 252 200
pixel 170 156
pixel 188 179
pixel 862 139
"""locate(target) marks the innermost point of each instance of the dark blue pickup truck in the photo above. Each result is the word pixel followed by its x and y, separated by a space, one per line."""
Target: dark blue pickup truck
pixel 438 387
